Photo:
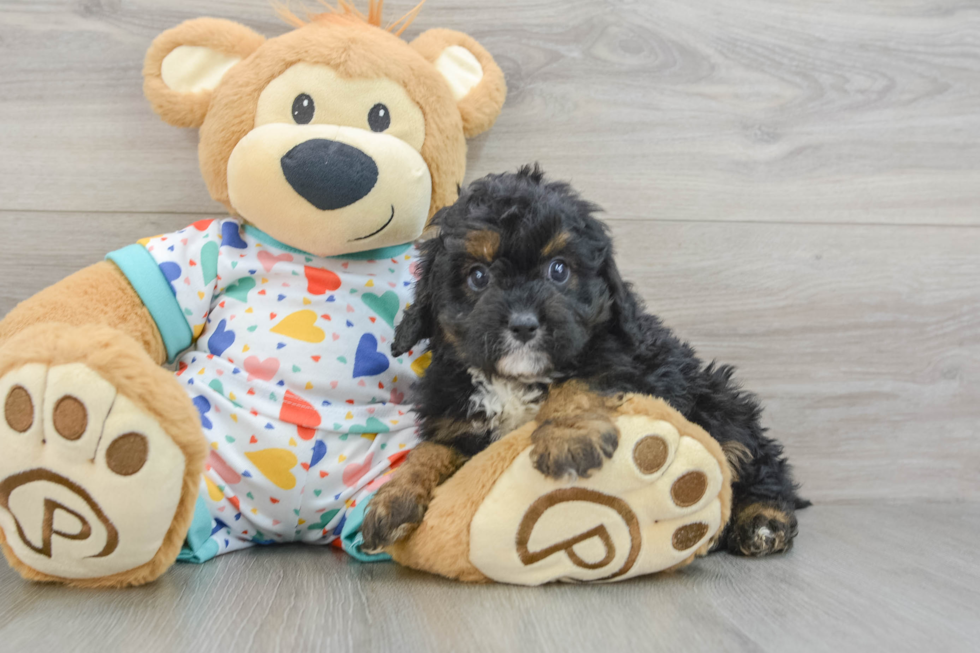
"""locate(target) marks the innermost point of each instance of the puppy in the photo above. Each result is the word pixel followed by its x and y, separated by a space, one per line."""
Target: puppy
pixel 528 318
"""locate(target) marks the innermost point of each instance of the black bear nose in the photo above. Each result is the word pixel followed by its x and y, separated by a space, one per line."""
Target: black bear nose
pixel 329 174
pixel 524 326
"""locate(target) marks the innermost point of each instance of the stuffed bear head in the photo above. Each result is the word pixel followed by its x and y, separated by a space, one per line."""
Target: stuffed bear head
pixel 336 137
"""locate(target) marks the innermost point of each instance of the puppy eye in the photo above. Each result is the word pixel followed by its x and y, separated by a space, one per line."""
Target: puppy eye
pixel 303 109
pixel 479 278
pixel 379 118
pixel 558 271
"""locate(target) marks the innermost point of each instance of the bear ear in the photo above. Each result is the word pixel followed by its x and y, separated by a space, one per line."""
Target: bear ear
pixel 186 63
pixel 475 79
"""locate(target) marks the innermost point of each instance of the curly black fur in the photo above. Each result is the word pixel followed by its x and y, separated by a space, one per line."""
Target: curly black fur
pixel 592 327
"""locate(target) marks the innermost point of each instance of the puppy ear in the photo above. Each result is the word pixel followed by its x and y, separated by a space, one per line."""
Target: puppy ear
pixel 185 64
pixel 626 308
pixel 418 322
pixel 475 79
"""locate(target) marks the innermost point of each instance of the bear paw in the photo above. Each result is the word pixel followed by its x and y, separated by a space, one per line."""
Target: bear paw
pixel 654 505
pixel 89 483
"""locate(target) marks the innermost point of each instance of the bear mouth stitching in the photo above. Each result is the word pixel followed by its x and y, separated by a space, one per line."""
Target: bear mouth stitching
pixel 383 227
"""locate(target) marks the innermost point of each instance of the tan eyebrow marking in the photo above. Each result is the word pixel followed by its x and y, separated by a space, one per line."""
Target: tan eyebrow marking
pixel 483 245
pixel 556 244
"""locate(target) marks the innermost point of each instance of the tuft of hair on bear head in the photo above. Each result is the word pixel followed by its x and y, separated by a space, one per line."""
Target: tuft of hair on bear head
pixel 268 110
pixel 349 9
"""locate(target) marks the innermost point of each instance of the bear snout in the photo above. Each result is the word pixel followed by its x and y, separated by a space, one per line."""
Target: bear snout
pixel 329 174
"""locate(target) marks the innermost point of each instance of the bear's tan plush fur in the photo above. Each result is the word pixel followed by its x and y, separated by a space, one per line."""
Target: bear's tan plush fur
pixel 212 74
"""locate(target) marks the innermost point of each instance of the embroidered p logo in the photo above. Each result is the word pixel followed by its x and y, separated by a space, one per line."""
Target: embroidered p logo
pixel 600 533
pixel 38 486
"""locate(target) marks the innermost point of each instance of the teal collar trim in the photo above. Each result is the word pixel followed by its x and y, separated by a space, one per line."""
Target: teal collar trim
pixel 370 255
pixel 375 254
pixel 258 234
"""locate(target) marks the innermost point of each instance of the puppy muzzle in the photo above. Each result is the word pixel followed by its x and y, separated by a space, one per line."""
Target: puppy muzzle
pixel 522 357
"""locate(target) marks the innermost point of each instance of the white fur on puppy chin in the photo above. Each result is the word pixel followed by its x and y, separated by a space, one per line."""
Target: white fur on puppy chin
pixel 524 364
pixel 523 361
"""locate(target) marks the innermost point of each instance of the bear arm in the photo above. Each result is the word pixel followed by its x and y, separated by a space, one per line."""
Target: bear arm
pixel 98 294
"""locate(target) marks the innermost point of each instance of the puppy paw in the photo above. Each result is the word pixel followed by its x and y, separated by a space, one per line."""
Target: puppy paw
pixel 393 514
pixel 761 529
pixel 573 447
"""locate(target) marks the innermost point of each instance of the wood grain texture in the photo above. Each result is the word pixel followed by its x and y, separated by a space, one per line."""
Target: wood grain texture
pixel 847 586
pixel 760 110
pixel 39 249
pixel 793 185
pixel 863 341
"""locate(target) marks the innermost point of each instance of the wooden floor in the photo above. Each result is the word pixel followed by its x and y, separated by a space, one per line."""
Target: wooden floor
pixel 882 577
pixel 793 184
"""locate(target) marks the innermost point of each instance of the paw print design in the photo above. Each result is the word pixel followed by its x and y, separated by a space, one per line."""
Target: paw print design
pixel 89 483
pixel 655 504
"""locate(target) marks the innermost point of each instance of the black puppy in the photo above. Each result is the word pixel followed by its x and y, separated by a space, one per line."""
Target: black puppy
pixel 527 316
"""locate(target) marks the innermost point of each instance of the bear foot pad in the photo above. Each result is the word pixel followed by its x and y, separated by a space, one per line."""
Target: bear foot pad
pixel 85 475
pixel 653 506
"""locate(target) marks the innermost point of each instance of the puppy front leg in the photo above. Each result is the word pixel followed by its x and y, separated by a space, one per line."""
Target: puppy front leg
pixel 400 504
pixel 576 432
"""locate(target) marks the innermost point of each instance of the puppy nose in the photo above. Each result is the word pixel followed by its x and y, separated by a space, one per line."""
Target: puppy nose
pixel 524 326
pixel 329 174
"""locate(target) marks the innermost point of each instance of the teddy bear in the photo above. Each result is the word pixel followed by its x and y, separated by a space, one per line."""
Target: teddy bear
pixel 231 384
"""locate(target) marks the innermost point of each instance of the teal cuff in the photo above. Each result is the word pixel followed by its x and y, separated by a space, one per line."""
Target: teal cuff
pixel 198 545
pixel 158 296
pixel 351 537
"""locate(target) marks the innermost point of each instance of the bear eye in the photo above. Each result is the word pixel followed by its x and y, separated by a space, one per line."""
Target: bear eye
pixel 379 118
pixel 303 109
pixel 558 271
pixel 479 278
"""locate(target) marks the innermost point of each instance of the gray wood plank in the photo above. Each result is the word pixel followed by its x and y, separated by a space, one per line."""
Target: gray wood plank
pixel 37 248
pixel 863 341
pixel 761 110
pixel 695 125
pixel 868 577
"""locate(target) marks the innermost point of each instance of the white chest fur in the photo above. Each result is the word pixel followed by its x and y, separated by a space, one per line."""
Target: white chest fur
pixel 506 403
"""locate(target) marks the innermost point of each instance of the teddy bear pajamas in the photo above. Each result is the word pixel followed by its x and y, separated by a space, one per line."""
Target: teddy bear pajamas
pixel 298 433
